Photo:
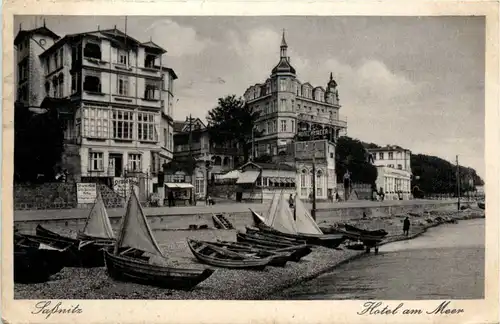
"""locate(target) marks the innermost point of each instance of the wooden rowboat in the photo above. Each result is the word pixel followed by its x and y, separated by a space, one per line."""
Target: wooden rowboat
pixel 279 259
pixel 295 253
pixel 136 235
pixel 214 256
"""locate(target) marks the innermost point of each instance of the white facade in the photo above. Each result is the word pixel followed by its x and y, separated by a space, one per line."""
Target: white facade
pixel 119 95
pixel 395 183
pixel 392 156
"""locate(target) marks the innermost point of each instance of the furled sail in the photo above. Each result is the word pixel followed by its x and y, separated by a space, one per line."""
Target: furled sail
pixel 135 231
pixel 98 224
pixel 304 221
pixel 282 219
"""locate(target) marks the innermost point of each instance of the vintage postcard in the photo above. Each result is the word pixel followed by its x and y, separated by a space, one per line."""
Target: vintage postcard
pixel 246 162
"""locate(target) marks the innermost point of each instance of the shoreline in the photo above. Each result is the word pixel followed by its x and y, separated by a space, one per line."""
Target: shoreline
pixel 225 284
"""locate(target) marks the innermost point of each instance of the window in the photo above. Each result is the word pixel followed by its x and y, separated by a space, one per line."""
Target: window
pixel 151 92
pixel 60 91
pixel 149 62
pixel 319 183
pixel 170 141
pixel 134 162
pixel 275 126
pixel 381 156
pixel 122 57
pixel 96 161
pixel 55 87
pixel 47 88
pixel 48 66
pixel 123 124
pixel 283 105
pixel 199 183
pixel 283 85
pixel 61 57
pixel 92 82
pixel 92 50
pixel 145 126
pixel 122 86
pixel 95 122
pixel 391 155
pixel 165 137
pixel 303 184
pixel 76 79
pixel 293 126
pixel 283 125
pixel 56 60
pixel 400 167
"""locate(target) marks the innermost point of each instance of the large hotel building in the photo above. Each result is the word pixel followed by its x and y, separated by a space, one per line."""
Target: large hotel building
pixel 296 119
pixel 114 94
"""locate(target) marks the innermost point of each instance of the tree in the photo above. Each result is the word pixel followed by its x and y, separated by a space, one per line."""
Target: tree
pixel 434 175
pixel 233 121
pixel 351 155
pixel 38 144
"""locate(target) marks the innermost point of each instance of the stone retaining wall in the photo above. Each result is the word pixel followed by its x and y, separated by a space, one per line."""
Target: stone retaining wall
pixel 58 195
pixel 324 217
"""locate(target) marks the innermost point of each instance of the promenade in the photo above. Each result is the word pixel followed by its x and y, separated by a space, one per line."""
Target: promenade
pixel 62 214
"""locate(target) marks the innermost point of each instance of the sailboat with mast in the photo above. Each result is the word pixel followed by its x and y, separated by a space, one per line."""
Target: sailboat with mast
pixel 303 227
pixel 135 234
pixel 87 249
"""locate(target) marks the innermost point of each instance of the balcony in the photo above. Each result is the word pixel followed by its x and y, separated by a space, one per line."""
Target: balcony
pixel 340 121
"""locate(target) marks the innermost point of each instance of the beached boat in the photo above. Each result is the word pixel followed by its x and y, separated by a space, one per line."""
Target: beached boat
pixel 35 261
pixel 257 238
pixel 376 233
pixel 135 234
pixel 221 222
pixel 296 224
pixel 218 257
pixel 278 259
pixel 295 253
pixel 87 248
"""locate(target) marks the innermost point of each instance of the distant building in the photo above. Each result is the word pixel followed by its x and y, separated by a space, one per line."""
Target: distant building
pixel 394 171
pixel 293 111
pixel 193 139
pixel 115 96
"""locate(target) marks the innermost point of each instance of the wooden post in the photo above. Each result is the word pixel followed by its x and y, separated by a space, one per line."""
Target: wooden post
pixel 313 211
pixel 458 185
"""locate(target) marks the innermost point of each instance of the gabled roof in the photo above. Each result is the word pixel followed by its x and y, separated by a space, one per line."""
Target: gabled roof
pixel 37 31
pixel 178 126
pixel 153 45
pixel 269 166
pixel 171 71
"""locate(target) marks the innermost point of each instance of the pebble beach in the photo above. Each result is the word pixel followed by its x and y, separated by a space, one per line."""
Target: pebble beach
pixel 94 283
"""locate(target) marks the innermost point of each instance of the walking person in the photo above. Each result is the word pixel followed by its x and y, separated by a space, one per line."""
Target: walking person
pixel 290 201
pixel 406 226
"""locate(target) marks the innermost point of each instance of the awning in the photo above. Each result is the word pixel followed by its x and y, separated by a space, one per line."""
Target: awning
pixel 248 177
pixel 172 185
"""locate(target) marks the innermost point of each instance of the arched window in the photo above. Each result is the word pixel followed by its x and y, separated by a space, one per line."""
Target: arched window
pixel 92 50
pixel 55 87
pixel 319 183
pixel 225 161
pixel 217 161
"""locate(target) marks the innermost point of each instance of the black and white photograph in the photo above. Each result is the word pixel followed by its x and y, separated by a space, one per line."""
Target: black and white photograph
pixel 260 158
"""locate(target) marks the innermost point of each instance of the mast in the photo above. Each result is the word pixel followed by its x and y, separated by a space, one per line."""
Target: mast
pixel 190 142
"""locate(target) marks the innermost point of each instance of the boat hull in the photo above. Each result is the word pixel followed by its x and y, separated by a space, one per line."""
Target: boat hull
pixel 124 268
pixel 34 265
pixel 89 254
pixel 223 260
pixel 326 240
pixel 297 252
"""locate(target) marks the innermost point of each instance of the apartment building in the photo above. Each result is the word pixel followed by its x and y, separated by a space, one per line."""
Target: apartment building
pixel 191 138
pixel 114 94
pixel 292 111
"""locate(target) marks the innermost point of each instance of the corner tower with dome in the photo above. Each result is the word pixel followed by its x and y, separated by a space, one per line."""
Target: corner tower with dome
pixel 295 118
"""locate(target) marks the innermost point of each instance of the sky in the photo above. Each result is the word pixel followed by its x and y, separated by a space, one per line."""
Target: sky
pixel 417 82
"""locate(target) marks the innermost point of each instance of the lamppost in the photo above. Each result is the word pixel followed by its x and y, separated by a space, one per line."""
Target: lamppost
pixel 207 169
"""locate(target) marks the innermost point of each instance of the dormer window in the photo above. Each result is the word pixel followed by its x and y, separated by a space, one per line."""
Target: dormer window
pixel 122 57
pixel 92 50
pixel 149 62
